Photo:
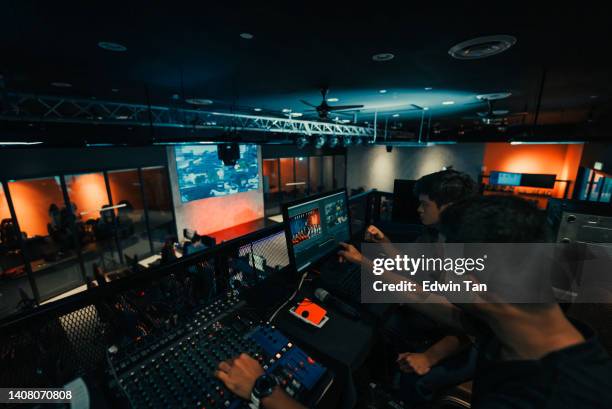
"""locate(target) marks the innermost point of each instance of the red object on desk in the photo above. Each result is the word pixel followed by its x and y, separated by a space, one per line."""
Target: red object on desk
pixel 315 312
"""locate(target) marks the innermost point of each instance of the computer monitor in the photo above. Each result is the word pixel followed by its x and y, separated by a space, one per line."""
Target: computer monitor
pixel 314 227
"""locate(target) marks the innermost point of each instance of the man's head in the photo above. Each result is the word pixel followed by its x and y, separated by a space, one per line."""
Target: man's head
pixel 493 219
pixel 196 239
pixel 437 191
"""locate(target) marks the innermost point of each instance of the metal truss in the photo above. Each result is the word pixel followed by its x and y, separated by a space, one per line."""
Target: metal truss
pixel 36 108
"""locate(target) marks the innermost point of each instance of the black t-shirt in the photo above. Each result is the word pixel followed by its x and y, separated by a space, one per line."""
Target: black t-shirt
pixel 576 377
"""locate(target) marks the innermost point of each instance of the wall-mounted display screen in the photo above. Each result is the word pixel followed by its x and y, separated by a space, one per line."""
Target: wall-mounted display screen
pixel 505 178
pixel 201 174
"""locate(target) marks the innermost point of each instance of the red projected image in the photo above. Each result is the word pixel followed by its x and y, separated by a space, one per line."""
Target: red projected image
pixel 305 226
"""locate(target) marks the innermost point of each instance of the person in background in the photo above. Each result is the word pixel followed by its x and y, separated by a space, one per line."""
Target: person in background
pixel 167 251
pixel 429 359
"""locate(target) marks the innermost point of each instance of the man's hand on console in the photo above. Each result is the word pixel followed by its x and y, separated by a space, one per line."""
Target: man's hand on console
pixel 350 253
pixel 239 374
pixel 375 235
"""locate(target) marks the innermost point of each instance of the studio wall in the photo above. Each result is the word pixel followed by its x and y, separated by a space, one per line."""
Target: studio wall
pixel 372 167
pixel 558 159
pixel 216 213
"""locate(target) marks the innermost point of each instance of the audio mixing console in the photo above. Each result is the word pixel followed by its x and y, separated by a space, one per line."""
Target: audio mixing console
pixel 175 369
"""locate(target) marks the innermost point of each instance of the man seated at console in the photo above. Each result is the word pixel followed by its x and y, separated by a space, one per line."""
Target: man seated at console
pixel 428 358
pixel 530 355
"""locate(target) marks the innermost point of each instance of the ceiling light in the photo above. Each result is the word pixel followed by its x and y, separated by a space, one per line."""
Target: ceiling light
pixel 286 110
pixel 2 143
pixel 333 141
pixel 425 108
pixel 257 109
pixel 482 47
pixel 383 91
pixel 428 88
pixel 593 96
pixel 301 142
pixel 448 102
pixel 61 84
pixel 296 114
pixel 345 121
pixel 115 89
pixel 383 57
pixel 198 101
pixel 332 99
pixel 319 141
pixel 247 36
pixel 395 115
pixel 105 45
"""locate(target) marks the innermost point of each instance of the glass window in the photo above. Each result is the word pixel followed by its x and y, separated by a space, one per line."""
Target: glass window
pixel 159 205
pixel 328 173
pixel 301 176
pixel 316 183
pixel 339 174
pixel 607 191
pixel 95 226
pixel 287 178
pixel 15 287
pixel 271 186
pixel 127 198
pixel 49 234
pixel 598 181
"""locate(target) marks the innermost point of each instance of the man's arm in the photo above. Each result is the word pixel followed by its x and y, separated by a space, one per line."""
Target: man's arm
pixel 239 376
pixel 421 363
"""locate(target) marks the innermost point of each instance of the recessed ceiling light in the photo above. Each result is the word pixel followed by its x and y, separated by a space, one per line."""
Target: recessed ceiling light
pixel 428 88
pixel 383 57
pixel 425 108
pixel 295 114
pixel 286 110
pixel 198 101
pixel 61 84
pixel 257 109
pixel 332 99
pixel 105 45
pixel 383 91
pixel 395 115
pixel 247 36
pixel 448 102
pixel 482 47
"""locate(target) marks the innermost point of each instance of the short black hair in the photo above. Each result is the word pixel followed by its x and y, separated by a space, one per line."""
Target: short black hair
pixel 494 219
pixel 446 186
pixel 196 237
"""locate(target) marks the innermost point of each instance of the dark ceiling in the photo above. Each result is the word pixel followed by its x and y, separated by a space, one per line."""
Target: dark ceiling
pixel 195 51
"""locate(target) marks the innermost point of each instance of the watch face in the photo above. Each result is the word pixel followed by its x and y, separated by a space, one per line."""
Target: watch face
pixel 264 385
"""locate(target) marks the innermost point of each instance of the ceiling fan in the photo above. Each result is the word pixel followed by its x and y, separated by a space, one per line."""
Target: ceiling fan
pixel 323 109
pixel 493 116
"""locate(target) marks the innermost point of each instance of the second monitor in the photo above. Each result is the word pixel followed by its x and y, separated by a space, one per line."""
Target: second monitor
pixel 315 226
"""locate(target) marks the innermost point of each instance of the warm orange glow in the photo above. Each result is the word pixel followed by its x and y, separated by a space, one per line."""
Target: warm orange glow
pixel 88 192
pixel 125 186
pixel 4 209
pixel 560 160
pixel 32 199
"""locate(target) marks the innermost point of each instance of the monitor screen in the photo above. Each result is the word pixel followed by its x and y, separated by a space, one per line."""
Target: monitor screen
pixel 315 227
pixel 505 178
pixel 201 174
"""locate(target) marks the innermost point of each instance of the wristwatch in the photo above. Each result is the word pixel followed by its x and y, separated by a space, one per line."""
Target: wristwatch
pixel 264 386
